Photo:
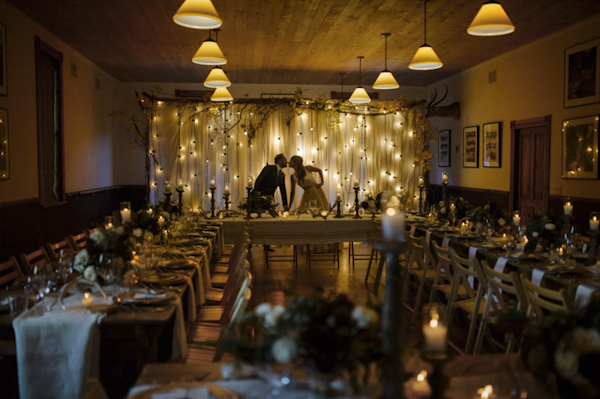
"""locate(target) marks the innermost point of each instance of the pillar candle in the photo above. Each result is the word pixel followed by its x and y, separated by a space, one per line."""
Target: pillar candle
pixel 250 181
pixel 435 336
pixel 212 183
pixel 356 183
pixel 516 220
pixel 444 177
pixel 125 215
pixel 392 225
pixel 180 185
pixel 568 208
pixel 594 223
pixel 226 189
pixel 87 300
pixel 168 188
pixel 161 221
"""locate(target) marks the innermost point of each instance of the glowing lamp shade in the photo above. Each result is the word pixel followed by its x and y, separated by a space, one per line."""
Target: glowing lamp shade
pixel 197 14
pixel 491 20
pixel 386 81
pixel 217 78
pixel 209 53
pixel 425 59
pixel 360 96
pixel 221 94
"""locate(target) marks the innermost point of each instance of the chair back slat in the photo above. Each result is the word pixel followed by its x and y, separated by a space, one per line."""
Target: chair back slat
pixel 34 260
pixel 53 250
pixel 78 241
pixel 10 271
pixel 544 298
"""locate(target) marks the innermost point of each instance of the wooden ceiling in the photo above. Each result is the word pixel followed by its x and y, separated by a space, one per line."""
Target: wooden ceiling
pixel 296 42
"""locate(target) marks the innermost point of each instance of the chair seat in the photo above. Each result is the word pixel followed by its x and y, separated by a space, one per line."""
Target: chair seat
pixel 430 275
pixel 220 269
pixel 213 296
pixel 219 280
pixel 209 314
pixel 468 305
pixel 447 289
pixel 204 332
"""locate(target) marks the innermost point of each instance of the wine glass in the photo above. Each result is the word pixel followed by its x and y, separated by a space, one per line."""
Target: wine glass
pixel 65 264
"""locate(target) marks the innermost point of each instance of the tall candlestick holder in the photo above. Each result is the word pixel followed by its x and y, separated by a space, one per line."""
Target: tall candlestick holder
pixel 592 247
pixel 248 211
pixel 226 202
pixel 356 203
pixel 180 193
pixel 420 212
pixel 392 325
pixel 338 213
pixel 212 203
pixel 445 192
pixel 168 201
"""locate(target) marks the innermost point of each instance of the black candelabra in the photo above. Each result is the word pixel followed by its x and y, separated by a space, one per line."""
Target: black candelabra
pixel 212 202
pixel 356 203
pixel 445 192
pixel 338 213
pixel 226 202
pixel 180 192
pixel 248 210
pixel 168 195
pixel 421 200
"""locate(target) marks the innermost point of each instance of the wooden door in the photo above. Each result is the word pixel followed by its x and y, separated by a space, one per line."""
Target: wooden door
pixel 530 165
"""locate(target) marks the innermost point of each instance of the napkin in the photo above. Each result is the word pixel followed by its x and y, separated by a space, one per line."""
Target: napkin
pixel 446 242
pixel 536 276
pixel 501 264
pixel 179 348
pixel 57 351
pixel 583 294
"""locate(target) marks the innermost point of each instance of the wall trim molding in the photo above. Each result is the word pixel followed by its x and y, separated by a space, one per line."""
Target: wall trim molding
pixel 481 190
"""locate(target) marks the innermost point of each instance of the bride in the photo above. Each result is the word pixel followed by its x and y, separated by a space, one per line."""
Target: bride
pixel 312 190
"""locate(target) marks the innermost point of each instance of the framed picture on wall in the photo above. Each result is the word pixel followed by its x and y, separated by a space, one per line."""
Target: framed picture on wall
pixel 580 148
pixel 492 136
pixel 4 159
pixel 444 148
pixel 471 147
pixel 3 85
pixel 582 74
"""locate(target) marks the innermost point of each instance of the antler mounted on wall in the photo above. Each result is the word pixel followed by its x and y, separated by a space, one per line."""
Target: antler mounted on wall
pixel 446 111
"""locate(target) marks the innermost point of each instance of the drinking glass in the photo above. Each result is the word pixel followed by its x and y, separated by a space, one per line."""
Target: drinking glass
pixel 65 264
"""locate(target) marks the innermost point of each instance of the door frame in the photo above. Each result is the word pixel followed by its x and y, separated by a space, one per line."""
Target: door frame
pixel 515 135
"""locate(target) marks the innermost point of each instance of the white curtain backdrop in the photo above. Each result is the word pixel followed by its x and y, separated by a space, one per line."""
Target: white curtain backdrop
pixel 189 144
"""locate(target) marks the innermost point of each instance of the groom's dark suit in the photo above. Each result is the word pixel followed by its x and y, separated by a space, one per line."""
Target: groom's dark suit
pixel 268 181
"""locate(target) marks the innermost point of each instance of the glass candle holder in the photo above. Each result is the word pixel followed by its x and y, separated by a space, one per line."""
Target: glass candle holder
pixel 568 207
pixel 125 210
pixel 594 221
pixel 108 222
pixel 434 332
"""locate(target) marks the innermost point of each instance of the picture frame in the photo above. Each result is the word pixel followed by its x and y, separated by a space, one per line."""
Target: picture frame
pixel 3 78
pixel 582 74
pixel 4 146
pixel 444 146
pixel 491 144
pixel 471 147
pixel 580 148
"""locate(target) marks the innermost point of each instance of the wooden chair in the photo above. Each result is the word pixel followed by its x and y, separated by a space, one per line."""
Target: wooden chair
pixel 419 266
pixel 497 301
pixel 54 250
pixel 219 280
pixel 33 261
pixel 10 271
pixel 333 256
pixel 442 281
pixel 216 296
pixel 78 241
pixel 223 265
pixel 472 305
pixel 88 232
pixel 220 313
pixel 541 299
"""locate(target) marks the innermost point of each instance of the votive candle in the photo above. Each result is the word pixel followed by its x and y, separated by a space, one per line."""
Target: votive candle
pixel 435 336
pixel 125 215
pixel 87 300
pixel 161 221
pixel 421 181
pixel 212 183
pixel 444 178
pixel 250 181
pixel 517 219
pixel 356 183
pixel 568 208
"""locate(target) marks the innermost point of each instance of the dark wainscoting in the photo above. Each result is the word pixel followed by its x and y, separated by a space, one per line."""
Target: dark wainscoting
pixel 581 210
pixel 26 224
pixel 475 196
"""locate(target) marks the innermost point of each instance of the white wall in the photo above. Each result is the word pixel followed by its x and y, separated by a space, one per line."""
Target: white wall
pixel 529 84
pixel 97 150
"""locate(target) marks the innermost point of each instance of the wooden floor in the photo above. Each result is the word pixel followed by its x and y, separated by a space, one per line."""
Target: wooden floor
pixel 271 284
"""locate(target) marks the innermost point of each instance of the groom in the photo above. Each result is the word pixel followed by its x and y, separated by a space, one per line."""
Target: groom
pixel 271 177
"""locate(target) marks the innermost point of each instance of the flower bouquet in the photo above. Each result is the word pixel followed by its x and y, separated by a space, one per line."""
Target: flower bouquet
pixel 544 229
pixel 372 205
pixel 488 214
pixel 325 337
pixel 444 210
pixel 258 203
pixel 563 352
pixel 114 243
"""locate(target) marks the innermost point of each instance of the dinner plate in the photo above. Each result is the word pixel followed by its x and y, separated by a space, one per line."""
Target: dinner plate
pixel 463 236
pixel 558 268
pixel 186 389
pixel 143 297
pixel 164 279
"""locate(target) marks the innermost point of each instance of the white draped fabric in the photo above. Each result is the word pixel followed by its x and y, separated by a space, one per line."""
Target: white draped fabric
pixel 189 145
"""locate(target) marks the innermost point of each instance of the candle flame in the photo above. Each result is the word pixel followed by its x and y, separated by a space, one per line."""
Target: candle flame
pixel 86 295
pixel 390 212
pixel 422 375
pixel 433 323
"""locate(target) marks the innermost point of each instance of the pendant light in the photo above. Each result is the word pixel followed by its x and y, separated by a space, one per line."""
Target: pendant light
pixel 360 95
pixel 197 14
pixel 221 94
pixel 209 53
pixel 491 20
pixel 386 80
pixel 425 59
pixel 217 78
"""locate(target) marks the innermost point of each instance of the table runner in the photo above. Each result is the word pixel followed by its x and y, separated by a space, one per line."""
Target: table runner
pixel 57 351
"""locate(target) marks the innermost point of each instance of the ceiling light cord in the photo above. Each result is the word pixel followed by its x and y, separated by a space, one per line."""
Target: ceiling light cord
pixel 360 70
pixel 425 20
